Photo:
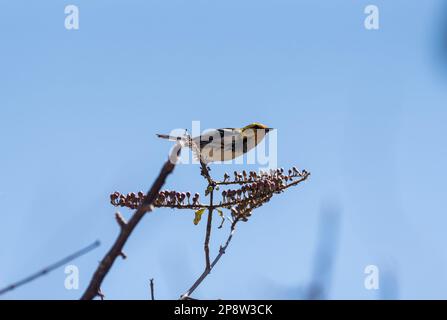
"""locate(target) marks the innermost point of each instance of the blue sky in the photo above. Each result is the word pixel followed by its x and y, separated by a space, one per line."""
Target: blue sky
pixel 364 111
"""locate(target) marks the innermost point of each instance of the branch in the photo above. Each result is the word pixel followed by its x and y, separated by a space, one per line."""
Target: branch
pixel 208 230
pixel 304 176
pixel 50 268
pixel 126 229
pixel 152 289
pixel 183 206
pixel 207 271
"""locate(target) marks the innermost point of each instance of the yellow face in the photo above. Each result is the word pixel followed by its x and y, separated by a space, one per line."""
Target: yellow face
pixel 256 131
pixel 255 126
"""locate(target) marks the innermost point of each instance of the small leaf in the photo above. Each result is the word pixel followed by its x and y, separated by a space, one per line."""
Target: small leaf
pixel 220 213
pixel 198 215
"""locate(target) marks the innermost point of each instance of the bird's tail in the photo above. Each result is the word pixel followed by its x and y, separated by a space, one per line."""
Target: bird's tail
pixel 168 137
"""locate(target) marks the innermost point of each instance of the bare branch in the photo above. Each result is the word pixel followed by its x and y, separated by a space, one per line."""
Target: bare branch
pixel 120 219
pixel 152 289
pixel 100 294
pixel 126 230
pixel 208 230
pixel 206 272
pixel 50 268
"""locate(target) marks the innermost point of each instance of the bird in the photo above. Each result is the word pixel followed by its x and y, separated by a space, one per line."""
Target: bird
pixel 223 144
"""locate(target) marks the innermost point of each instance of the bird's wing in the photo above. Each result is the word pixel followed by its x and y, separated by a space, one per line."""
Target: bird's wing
pixel 219 138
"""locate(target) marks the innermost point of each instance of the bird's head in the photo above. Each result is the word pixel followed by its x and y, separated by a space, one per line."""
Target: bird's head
pixel 255 130
pixel 256 126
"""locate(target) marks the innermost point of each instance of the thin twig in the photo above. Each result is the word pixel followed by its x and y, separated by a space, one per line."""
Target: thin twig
pixel 51 267
pixel 210 189
pixel 207 271
pixel 303 177
pixel 152 289
pixel 208 230
pixel 183 206
pixel 126 230
pixel 241 182
pixel 100 294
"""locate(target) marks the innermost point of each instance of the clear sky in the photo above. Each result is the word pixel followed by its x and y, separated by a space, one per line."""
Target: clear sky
pixel 363 110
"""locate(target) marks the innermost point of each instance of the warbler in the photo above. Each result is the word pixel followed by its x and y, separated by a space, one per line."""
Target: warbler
pixel 223 144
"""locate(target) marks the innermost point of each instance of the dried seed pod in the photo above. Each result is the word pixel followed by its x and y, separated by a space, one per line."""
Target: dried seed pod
pixel 114 197
pixel 182 197
pixel 188 195
pixel 196 198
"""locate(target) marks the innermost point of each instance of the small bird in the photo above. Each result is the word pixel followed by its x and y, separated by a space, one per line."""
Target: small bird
pixel 223 144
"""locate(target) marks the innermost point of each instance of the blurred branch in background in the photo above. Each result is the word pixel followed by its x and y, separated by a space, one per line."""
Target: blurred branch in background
pixel 389 284
pixel 328 235
pixel 51 267
pixel 444 34
pixel 440 45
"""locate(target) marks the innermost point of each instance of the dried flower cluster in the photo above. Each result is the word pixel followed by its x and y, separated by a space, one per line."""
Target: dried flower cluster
pixel 258 189
pixel 165 198
pixel 254 190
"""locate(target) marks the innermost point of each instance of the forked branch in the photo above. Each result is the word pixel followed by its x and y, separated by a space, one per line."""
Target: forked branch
pixel 207 271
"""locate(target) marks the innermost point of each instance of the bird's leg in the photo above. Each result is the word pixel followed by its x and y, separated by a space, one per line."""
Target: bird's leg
pixel 205 172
